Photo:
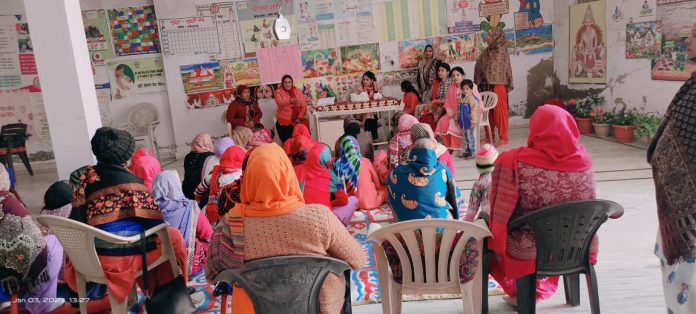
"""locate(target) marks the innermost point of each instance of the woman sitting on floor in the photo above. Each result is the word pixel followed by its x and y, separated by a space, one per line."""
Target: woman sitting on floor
pixel 401 140
pixel 273 220
pixel 111 198
pixel 371 191
pixel 147 168
pixel 553 169
pixel 201 148
pixel 320 185
pixel 229 170
pixel 260 137
pixel 299 144
pixel 221 145
pixel 183 214
pixel 422 130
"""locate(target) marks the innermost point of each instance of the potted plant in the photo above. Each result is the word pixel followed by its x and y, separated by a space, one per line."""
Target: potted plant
pixel 601 122
pixel 647 125
pixel 583 116
pixel 624 125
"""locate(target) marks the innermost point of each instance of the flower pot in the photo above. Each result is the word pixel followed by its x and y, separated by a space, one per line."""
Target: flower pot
pixel 624 133
pixel 584 125
pixel 602 130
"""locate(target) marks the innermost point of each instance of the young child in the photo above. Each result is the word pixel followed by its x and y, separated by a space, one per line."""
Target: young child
pixel 468 115
pixel 479 201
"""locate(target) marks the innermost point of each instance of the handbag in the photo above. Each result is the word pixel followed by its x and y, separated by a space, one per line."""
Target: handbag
pixel 172 297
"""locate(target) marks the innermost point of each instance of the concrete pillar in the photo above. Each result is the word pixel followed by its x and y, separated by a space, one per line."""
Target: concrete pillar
pixel 67 82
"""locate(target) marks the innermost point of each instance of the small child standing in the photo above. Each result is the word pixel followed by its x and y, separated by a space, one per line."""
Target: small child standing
pixel 479 201
pixel 469 115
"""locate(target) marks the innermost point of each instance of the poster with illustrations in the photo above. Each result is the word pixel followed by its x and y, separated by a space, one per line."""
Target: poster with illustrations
pixel 265 91
pixel 136 76
pixel 256 20
pixel 360 58
pixel 134 30
pixel 643 40
pixel 321 62
pixel 99 42
pixel 317 88
pixel 210 99
pixel 201 77
pixel 243 72
pixel 588 43
pixel 482 41
pixel 675 19
pixel 353 22
pixel 457 48
pixel 532 35
pixel 411 51
pixel 462 17
pixel 395 78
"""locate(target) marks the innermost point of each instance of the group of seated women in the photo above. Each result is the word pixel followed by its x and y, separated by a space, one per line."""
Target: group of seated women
pixel 269 201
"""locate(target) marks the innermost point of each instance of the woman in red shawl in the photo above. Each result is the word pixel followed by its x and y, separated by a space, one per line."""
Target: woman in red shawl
pixel 228 172
pixel 292 108
pixel 530 178
pixel 299 144
pixel 146 168
pixel 244 115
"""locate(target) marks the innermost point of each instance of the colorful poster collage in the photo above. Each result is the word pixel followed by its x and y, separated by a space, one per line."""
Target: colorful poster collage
pixel 134 30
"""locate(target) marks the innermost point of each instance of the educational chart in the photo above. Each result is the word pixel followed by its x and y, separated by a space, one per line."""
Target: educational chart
pixel 588 42
pixel 462 17
pixel 225 14
pixel 244 72
pixel 99 42
pixel 532 35
pixel 360 58
pixel 137 76
pixel 643 40
pixel 201 77
pixel 256 18
pixel 354 23
pixel 316 23
pixel 321 62
pixel 189 36
pixel 134 30
pixel 675 19
pixel 457 48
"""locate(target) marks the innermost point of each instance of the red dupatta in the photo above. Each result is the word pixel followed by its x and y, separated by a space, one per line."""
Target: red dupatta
pixel 315 177
pixel 553 144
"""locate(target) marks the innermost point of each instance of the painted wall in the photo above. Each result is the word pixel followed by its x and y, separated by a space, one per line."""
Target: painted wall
pixel 628 80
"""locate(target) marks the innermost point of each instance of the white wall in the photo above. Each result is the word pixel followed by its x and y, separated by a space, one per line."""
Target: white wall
pixel 628 79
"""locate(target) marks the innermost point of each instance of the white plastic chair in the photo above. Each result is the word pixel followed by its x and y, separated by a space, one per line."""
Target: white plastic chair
pixel 440 274
pixel 224 120
pixel 143 119
pixel 78 242
pixel 489 100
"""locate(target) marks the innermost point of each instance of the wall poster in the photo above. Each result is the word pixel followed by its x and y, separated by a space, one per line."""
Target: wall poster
pixel 320 62
pixel 643 40
pixel 588 43
pixel 134 30
pixel 136 76
pixel 98 36
pixel 360 58
pixel 675 19
pixel 256 24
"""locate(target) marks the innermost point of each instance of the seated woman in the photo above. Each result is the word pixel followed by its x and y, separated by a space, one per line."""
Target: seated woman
pixel 434 98
pixel 140 152
pixel 292 108
pixel 534 177
pixel 244 114
pixel 29 261
pixel 346 165
pixel 111 198
pixel 381 165
pixel 221 145
pixel 183 214
pixel 273 220
pixel 368 85
pixel 260 137
pixel 147 168
pixel 229 170
pixel 371 191
pixel 351 127
pixel 299 144
pixel 411 98
pixel 321 186
pixel 201 149
pixel 422 130
pixel 401 140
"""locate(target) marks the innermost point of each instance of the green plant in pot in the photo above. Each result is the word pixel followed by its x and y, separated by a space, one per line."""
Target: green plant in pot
pixel 583 116
pixel 647 125
pixel 624 124
pixel 601 121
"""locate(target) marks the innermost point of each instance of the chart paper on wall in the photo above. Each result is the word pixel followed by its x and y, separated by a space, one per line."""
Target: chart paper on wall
pixel 227 23
pixel 189 36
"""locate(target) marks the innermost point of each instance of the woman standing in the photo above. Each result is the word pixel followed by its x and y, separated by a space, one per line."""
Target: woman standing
pixel 672 155
pixel 244 114
pixel 434 98
pixel 427 70
pixel 493 68
pixel 194 162
pixel 292 108
pixel 368 85
pixel 447 126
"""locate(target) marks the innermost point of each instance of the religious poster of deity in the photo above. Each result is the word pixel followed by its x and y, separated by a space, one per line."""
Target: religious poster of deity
pixel 316 63
pixel 588 43
pixel 674 19
pixel 643 40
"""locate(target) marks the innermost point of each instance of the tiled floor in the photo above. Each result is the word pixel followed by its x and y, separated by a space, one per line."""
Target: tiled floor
pixel 628 273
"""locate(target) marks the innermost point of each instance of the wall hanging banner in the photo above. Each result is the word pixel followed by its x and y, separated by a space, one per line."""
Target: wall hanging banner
pixel 243 72
pixel 588 43
pixel 201 77
pixel 675 19
pixel 278 61
pixel 137 76
pixel 256 19
pixel 360 58
pixel 225 14
pixel 320 62
pixel 98 36
pixel 189 36
pixel 134 30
